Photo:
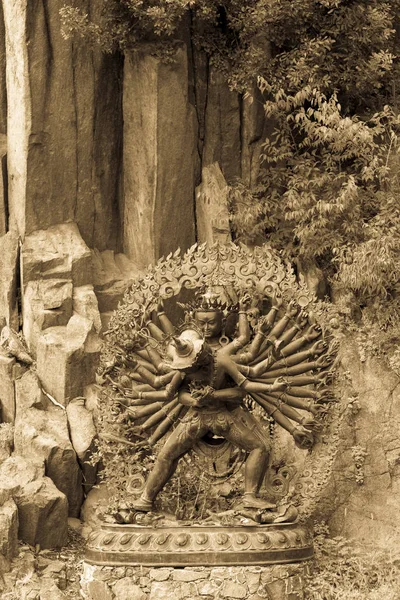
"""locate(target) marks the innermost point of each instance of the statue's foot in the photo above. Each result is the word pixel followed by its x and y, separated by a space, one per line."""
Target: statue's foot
pixel 251 501
pixel 286 514
pixel 142 505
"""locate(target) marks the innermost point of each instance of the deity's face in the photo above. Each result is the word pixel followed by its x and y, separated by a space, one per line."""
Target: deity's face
pixel 209 322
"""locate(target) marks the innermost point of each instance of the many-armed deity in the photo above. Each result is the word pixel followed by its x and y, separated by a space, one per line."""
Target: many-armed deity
pixel 181 384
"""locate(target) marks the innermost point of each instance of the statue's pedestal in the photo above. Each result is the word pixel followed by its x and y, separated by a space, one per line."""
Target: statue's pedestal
pixel 197 562
pixel 273 582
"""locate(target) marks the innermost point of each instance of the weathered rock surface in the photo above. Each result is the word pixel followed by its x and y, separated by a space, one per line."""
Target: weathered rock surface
pixel 67 358
pixel 65 126
pixel 367 491
pixel 9 529
pixel 8 281
pixel 58 252
pixel 212 215
pixel 47 303
pixel 4 215
pixel 42 508
pixel 222 142
pixel 3 89
pixel 160 157
pixel 7 391
pixel 41 433
pixel 112 275
pixel 6 441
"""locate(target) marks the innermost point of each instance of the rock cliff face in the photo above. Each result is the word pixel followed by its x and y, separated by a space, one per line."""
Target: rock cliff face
pixel 64 144
pixel 66 158
pixel 365 486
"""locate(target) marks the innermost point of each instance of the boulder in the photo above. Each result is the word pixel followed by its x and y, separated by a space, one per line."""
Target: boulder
pixel 42 508
pixel 212 215
pixel 160 156
pixel 16 473
pixel 9 252
pixel 7 391
pixel 43 514
pixel 92 394
pixel 58 252
pixel 86 305
pixel 44 435
pixel 47 303
pixel 29 393
pixel 9 530
pixel 67 358
pixel 6 441
pixel 12 344
pixel 65 124
pixel 125 589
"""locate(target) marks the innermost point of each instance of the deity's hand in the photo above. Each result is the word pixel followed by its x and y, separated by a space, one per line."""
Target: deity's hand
pixel 132 394
pixel 303 437
pixel 324 361
pixel 277 300
pixel 318 409
pixel 264 325
pixel 312 333
pixel 292 309
pixel 302 318
pixel 318 347
pixel 308 423
pixel 244 302
pixel 280 385
pixel 325 397
pixel 324 378
pixel 202 395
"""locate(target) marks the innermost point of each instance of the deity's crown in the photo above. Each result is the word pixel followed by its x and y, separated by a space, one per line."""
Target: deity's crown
pixel 209 301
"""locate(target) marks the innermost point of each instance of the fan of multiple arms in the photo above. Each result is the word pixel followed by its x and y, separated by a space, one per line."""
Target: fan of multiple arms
pixel 284 366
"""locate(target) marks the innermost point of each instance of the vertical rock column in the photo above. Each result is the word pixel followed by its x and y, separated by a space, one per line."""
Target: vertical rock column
pixel 160 157
pixel 64 125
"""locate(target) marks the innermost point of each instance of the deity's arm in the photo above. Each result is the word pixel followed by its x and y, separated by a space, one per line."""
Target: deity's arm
pixel 303 437
pixel 258 369
pixel 142 398
pixel 208 395
pixel 252 351
pixel 311 334
pixel 243 336
pixel 156 381
pixel 231 368
pixel 165 323
pixel 281 325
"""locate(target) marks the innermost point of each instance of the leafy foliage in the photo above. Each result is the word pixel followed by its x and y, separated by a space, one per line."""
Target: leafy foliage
pixel 345 572
pixel 329 72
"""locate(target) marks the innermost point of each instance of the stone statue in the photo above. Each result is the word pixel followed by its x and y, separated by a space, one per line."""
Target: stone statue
pixel 186 382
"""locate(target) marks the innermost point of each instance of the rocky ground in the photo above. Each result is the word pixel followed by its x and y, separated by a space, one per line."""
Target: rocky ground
pixel 46 574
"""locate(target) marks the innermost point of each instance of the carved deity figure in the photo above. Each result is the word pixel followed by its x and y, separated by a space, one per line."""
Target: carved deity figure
pixel 245 341
pixel 209 373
